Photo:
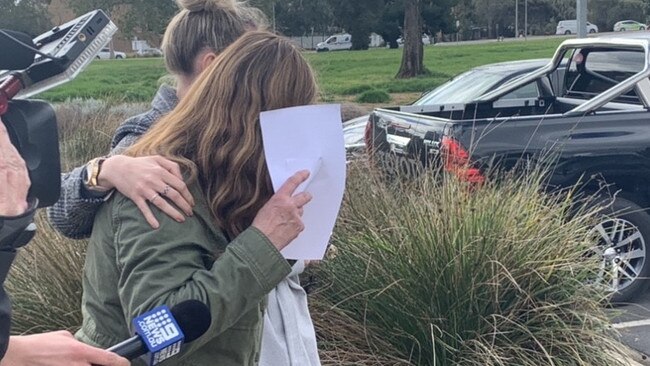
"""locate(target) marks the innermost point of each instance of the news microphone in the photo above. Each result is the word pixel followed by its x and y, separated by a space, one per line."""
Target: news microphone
pixel 161 332
pixel 14 56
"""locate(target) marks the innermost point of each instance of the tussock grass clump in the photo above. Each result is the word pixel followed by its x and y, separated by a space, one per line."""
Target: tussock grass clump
pixel 45 282
pixel 86 127
pixel 374 96
pixel 449 274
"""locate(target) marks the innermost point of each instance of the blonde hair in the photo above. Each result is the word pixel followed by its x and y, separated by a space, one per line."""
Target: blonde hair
pixel 206 25
pixel 214 132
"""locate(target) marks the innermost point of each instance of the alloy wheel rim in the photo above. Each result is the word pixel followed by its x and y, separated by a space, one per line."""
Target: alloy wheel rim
pixel 622 250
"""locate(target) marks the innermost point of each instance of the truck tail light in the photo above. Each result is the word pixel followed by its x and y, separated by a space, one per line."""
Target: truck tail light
pixel 455 159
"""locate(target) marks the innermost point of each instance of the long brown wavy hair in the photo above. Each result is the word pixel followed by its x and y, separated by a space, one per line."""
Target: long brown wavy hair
pixel 214 133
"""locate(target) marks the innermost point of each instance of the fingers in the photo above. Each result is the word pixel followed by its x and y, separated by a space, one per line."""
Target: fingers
pixel 178 183
pixel 159 201
pixel 302 199
pixel 176 190
pixel 289 187
pixel 14 177
pixel 164 206
pixel 146 212
pixel 100 357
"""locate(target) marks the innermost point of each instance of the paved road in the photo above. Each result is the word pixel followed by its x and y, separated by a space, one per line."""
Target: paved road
pixel 634 325
pixel 522 39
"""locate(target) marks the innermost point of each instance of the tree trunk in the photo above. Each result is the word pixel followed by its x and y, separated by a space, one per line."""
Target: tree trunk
pixel 413 55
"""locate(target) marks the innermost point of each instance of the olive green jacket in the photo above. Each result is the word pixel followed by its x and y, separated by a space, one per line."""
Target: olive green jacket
pixel 131 268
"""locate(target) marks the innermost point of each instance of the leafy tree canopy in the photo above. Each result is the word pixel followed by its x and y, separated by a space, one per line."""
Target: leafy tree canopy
pixel 27 16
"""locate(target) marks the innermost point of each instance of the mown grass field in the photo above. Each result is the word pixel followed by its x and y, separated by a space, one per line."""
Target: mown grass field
pixel 341 74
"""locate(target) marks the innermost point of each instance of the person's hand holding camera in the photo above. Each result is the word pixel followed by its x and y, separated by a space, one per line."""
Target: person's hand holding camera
pixel 14 179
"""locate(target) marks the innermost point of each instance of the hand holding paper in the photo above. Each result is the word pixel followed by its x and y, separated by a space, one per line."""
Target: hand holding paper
pixel 308 138
pixel 280 219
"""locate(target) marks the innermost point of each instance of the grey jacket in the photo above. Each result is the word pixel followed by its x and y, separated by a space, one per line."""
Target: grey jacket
pixel 73 215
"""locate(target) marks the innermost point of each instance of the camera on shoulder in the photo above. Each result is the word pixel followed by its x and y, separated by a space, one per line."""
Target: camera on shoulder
pixel 31 66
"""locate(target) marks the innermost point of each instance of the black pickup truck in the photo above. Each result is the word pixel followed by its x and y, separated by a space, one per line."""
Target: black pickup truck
pixel 595 118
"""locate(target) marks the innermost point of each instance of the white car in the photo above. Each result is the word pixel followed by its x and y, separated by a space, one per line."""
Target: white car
pixel 628 25
pixel 571 27
pixel 105 54
pixel 335 43
pixel 149 52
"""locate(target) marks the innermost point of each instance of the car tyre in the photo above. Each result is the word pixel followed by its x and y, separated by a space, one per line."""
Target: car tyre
pixel 624 236
pixel 622 29
pixel 642 28
pixel 567 32
pixel 592 31
pixel 118 57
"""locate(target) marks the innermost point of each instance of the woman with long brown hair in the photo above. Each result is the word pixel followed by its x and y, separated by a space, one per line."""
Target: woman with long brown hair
pixel 227 254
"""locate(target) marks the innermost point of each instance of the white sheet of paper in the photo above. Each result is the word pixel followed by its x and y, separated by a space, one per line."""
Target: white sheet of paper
pixel 308 138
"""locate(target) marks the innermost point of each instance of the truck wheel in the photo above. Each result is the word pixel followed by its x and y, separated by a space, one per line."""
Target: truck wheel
pixel 624 236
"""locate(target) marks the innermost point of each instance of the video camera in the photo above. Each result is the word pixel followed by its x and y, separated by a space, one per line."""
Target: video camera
pixel 33 66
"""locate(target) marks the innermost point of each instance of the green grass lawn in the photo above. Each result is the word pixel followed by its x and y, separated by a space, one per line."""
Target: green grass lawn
pixel 340 74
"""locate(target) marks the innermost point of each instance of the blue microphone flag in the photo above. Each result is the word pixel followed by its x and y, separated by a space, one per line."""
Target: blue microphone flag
pixel 160 333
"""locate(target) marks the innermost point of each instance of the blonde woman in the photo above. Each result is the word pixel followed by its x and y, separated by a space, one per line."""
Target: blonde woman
pixel 227 254
pixel 192 40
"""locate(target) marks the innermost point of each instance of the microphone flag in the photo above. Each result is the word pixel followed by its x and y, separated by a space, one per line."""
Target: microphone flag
pixel 160 333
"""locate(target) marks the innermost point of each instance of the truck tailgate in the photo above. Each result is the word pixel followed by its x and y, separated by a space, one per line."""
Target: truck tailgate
pixel 404 142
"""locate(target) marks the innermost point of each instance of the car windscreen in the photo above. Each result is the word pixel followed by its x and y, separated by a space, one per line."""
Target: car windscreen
pixel 463 88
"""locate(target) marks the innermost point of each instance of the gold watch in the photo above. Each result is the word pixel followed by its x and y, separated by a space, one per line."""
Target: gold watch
pixel 92 173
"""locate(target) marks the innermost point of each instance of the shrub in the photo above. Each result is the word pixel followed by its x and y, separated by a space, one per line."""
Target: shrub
pixel 449 275
pixel 45 282
pixel 357 89
pixel 87 126
pixel 374 96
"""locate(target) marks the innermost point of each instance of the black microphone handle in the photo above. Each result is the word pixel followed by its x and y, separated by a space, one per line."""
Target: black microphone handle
pixel 131 348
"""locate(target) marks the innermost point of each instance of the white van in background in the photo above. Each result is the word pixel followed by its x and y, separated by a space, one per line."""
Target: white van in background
pixel 335 43
pixel 571 27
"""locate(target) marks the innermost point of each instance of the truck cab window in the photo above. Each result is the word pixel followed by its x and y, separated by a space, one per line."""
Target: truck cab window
pixel 527 91
pixel 590 73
